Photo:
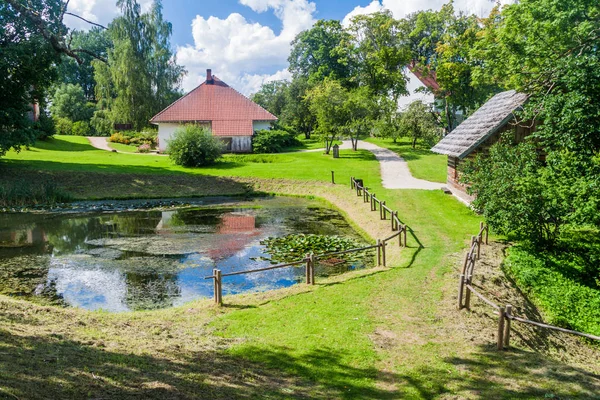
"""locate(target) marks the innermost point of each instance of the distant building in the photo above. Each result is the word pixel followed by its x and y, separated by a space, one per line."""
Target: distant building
pixel 227 113
pixel 478 132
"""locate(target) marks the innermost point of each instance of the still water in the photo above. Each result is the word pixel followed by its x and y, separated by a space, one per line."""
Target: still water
pixel 140 260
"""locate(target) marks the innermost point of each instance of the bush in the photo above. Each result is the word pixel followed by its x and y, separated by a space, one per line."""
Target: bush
pixel 194 146
pixel 144 148
pixel 273 141
pixel 118 138
pixel 81 128
pixel 63 126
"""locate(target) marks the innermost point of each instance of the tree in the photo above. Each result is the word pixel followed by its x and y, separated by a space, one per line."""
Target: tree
pixel 141 76
pixel 388 123
pixel 273 97
pixel 418 122
pixel 68 101
pixel 318 53
pixel 379 53
pixel 297 113
pixel 26 71
pixel 326 102
pixel 70 71
pixel 358 110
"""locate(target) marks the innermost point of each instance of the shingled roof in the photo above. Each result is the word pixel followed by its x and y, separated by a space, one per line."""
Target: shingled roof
pixel 230 112
pixel 484 122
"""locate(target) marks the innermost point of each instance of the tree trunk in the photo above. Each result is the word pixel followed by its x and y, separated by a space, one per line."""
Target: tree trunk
pixel 414 142
pixel 354 143
pixel 327 145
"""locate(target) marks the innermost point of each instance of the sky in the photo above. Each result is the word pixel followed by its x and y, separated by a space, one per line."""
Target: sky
pixel 247 42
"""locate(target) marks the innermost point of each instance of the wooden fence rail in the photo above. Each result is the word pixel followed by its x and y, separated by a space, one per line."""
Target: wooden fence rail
pixel 505 314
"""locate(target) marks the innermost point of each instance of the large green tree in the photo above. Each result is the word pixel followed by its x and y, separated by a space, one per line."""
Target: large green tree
pixel 68 101
pixel 320 53
pixel 379 53
pixel 141 76
pixel 26 70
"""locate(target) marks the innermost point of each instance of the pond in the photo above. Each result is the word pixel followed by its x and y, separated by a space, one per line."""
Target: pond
pixel 150 259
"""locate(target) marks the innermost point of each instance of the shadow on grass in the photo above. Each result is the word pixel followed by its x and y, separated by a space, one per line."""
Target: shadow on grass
pixel 513 374
pixel 57 144
pixel 36 367
pixel 40 367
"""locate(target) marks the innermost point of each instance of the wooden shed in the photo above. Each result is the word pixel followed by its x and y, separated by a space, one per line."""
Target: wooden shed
pixel 478 132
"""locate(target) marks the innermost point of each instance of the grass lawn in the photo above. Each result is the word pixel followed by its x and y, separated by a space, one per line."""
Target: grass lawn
pixel 423 164
pixel 123 147
pixel 385 333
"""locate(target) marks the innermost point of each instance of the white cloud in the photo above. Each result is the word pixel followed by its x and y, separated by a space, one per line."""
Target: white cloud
pixel 98 11
pixel 243 53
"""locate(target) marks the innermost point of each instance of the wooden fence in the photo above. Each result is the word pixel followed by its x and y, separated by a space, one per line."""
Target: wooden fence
pixel 505 313
pixel 311 259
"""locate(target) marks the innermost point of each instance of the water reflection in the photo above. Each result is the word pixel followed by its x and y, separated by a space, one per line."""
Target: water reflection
pixel 151 259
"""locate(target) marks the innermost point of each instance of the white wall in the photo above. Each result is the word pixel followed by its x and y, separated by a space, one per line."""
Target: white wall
pixel 260 125
pixel 166 131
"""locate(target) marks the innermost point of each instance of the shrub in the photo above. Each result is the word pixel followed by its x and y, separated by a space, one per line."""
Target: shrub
pixel 118 138
pixel 81 128
pixel 144 148
pixel 63 126
pixel 273 141
pixel 194 146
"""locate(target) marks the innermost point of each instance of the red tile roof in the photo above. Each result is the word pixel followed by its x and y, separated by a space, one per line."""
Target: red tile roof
pixel 427 79
pixel 230 112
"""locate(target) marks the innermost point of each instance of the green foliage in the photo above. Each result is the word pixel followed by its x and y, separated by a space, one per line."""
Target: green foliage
pixel 194 146
pixel 101 123
pixel 272 97
pixel 97 41
pixel 44 127
pixel 69 101
pixel 144 148
pixel 272 141
pixel 141 77
pixel 63 126
pixel 512 193
pixel 317 53
pixel 552 280
pixel 379 53
pixel 133 138
pixel 26 70
pixel 81 128
pixel 295 247
pixel 23 193
pixel 417 121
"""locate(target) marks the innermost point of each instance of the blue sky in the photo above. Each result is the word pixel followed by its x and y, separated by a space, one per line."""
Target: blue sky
pixel 247 42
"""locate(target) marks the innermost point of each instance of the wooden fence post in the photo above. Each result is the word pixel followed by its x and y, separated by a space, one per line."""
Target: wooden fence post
pixel 461 288
pixel 404 234
pixel 382 209
pixel 351 182
pixel 372 195
pixel 218 288
pixel 378 252
pixel 374 203
pixel 508 313
pixel 383 244
pixel 312 268
pixel 487 231
pixel 501 328
pixel 307 271
pixel 333 177
pixel 468 282
pixel 365 195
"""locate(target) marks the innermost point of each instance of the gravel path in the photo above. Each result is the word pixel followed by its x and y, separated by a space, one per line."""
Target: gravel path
pixel 99 143
pixel 394 169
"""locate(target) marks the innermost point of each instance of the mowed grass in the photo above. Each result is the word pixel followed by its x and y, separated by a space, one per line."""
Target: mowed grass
pixel 126 148
pixel 423 163
pixel 386 333
pixel 65 153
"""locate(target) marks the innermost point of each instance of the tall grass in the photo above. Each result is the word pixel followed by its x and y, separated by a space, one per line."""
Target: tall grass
pixel 22 193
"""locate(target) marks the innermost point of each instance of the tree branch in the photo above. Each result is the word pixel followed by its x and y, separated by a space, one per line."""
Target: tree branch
pixel 85 20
